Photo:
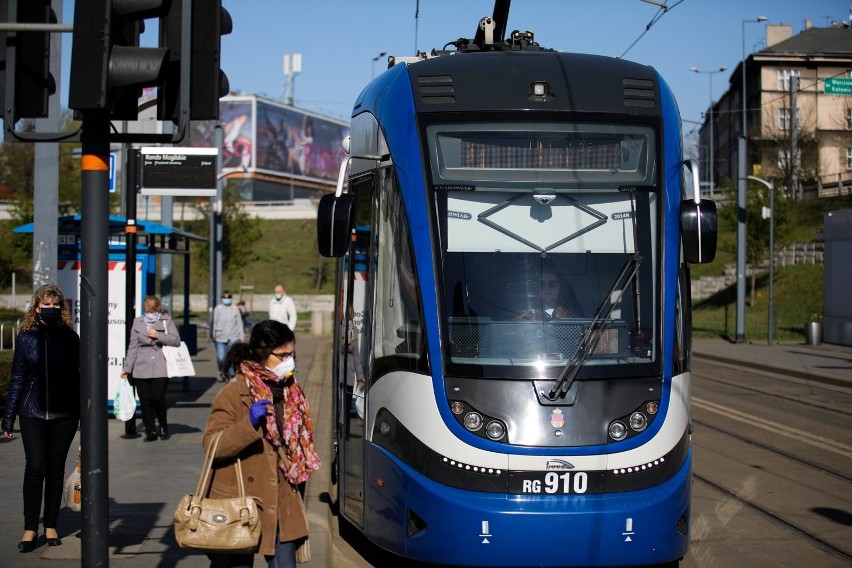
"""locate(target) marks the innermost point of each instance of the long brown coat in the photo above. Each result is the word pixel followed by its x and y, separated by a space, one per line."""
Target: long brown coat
pixel 259 458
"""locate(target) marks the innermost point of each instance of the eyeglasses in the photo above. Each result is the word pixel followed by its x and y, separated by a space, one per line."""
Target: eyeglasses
pixel 284 355
pixel 550 284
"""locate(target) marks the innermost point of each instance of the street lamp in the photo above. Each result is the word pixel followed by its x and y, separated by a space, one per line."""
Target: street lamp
pixel 710 117
pixel 771 189
pixel 376 58
pixel 741 199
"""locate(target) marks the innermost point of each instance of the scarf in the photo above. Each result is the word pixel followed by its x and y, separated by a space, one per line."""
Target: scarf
pixel 288 423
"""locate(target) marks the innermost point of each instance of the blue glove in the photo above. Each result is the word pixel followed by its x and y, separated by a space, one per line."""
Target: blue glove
pixel 258 412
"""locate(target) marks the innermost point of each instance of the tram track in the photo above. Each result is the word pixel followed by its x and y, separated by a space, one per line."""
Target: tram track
pixel 781 378
pixel 806 534
pixel 785 454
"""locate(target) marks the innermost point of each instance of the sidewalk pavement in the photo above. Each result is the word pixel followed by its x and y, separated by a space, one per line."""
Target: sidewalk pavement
pixel 146 480
pixel 825 363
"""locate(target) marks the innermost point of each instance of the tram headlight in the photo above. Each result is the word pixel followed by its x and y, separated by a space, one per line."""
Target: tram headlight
pixel 495 430
pixel 473 421
pixel 617 430
pixel 638 421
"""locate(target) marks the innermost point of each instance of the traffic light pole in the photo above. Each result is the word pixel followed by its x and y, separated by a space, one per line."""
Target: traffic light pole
pixel 93 337
pixel 131 182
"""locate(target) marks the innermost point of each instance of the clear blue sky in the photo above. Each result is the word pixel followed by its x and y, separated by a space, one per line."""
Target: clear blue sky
pixel 338 39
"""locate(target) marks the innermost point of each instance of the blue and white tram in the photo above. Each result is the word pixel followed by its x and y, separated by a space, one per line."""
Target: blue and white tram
pixel 515 231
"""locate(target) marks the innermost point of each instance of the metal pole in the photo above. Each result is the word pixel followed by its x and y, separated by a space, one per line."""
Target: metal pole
pixel 741 242
pixel 771 188
pixel 741 197
pixel 771 258
pixel 794 87
pixel 93 338
pixel 46 176
pixel 131 178
pixel 220 190
pixel 712 139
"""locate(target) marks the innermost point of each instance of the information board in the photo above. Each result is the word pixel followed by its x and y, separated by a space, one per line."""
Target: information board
pixel 179 171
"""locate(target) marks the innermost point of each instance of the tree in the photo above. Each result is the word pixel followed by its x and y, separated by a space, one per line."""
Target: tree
pixel 240 231
pixel 757 228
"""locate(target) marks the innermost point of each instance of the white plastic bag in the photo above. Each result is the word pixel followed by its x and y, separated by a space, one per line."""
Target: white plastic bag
pixel 358 397
pixel 178 361
pixel 124 401
pixel 72 497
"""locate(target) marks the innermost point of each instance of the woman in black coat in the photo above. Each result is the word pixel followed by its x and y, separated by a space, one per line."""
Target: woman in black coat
pixel 44 393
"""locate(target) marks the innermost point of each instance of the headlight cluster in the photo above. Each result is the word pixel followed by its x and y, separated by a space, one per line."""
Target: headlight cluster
pixel 635 422
pixel 474 421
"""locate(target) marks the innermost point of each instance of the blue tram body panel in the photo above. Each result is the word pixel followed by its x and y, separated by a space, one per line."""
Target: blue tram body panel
pixel 634 510
pixel 487 529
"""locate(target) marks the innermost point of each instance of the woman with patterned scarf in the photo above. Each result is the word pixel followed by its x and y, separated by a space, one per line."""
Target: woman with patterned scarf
pixel 265 421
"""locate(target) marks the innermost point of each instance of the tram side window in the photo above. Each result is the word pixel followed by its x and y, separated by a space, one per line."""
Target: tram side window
pixel 400 340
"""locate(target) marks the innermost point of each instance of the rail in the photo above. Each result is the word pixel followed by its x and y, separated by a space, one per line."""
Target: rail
pixel 4 325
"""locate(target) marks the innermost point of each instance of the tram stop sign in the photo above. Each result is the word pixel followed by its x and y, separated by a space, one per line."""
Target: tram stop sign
pixel 185 172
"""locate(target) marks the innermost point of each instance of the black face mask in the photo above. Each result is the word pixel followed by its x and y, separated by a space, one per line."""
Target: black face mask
pixel 50 316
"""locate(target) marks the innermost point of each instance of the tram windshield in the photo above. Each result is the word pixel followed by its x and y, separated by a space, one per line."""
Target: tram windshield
pixel 537 223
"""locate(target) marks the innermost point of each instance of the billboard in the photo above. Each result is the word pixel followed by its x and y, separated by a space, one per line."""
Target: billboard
pixel 271 138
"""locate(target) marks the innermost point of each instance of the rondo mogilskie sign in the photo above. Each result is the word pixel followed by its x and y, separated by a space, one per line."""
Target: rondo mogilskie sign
pixel 178 171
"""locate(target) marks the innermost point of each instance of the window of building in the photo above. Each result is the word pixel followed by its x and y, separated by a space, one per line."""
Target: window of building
pixel 849 158
pixel 784 118
pixel 783 155
pixel 784 78
pixel 849 119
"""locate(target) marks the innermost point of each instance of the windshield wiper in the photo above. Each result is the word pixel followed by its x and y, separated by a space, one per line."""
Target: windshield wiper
pixel 596 328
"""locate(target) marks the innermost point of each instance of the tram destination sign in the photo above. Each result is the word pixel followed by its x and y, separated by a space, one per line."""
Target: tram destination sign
pixel 838 86
pixel 187 172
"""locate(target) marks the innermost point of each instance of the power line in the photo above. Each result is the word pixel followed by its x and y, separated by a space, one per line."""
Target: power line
pixel 662 10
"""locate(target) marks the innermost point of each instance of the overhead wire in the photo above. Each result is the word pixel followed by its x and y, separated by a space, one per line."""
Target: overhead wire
pixel 660 13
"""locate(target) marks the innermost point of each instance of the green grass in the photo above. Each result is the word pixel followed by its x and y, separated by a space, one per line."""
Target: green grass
pixel 806 221
pixel 798 296
pixel 287 254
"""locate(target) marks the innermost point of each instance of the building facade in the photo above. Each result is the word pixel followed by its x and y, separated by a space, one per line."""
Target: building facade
pixel 807 152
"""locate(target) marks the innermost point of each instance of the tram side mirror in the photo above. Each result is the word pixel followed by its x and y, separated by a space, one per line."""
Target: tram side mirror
pixel 334 223
pixel 698 230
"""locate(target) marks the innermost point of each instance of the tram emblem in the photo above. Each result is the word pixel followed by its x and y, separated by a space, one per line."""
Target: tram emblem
pixel 557 419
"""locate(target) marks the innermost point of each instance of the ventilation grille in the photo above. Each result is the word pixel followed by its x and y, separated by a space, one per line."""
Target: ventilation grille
pixel 639 93
pixel 436 89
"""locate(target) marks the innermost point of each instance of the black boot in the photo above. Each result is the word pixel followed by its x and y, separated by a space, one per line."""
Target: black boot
pixel 164 432
pixel 150 436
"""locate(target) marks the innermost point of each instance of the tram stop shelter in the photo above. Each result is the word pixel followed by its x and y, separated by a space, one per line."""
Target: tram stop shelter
pixel 152 241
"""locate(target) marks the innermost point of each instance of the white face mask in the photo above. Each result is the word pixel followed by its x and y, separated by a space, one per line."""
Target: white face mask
pixel 284 367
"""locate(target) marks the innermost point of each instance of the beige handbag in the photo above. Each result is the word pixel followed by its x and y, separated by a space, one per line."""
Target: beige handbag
pixel 217 525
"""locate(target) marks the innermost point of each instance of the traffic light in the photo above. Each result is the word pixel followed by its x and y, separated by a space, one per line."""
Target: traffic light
pixel 207 82
pixel 25 60
pixel 108 67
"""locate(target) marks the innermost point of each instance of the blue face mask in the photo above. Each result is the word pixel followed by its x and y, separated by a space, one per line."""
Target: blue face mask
pixel 227 301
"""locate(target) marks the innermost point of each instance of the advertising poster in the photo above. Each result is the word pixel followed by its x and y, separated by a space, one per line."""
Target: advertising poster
pixel 68 278
pixel 274 139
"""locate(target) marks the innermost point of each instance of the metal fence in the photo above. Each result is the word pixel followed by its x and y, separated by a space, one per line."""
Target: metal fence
pixel 8 332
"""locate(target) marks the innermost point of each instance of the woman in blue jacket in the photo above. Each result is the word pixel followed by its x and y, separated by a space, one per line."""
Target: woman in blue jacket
pixel 44 393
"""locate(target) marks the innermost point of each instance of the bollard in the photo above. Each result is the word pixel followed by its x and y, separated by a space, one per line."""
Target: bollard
pixel 813 333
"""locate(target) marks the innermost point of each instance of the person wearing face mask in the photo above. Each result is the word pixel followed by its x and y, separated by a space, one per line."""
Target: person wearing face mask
pixel 282 308
pixel 265 420
pixel 44 394
pixel 146 363
pixel 227 329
